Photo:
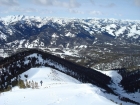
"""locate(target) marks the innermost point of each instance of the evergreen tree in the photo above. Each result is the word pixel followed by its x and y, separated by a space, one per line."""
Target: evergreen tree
pixel 36 85
pixel 33 86
pixel 21 84
pixel 27 84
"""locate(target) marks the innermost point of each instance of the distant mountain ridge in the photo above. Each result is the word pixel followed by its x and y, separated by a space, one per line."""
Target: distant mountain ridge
pixel 29 31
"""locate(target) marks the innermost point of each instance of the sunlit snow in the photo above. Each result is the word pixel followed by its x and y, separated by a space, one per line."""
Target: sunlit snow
pixel 57 89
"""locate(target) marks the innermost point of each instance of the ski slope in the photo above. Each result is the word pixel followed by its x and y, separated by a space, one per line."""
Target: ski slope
pixel 57 89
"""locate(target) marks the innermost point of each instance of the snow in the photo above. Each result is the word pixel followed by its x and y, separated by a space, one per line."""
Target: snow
pixel 82 46
pixel 4 55
pixel 69 52
pixel 10 31
pixel 70 35
pixel 120 31
pixel 86 28
pixel 21 42
pixel 34 43
pixel 1 50
pixel 55 35
pixel 109 43
pixel 9 19
pixel 58 20
pixel 57 89
pixel 3 36
pixel 91 32
pixel 65 51
pixel 133 32
pixel 109 30
pixel 27 19
pixel 91 25
pixel 114 75
pixel 48 75
pixel 116 78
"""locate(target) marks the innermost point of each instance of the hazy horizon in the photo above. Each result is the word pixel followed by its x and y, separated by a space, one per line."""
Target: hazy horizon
pixel 81 9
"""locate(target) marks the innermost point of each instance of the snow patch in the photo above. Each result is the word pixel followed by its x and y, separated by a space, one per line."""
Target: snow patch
pixel 70 35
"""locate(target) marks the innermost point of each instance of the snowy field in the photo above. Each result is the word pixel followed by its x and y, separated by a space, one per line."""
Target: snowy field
pixel 57 89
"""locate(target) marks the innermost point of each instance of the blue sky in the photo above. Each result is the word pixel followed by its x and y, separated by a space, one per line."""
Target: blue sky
pixel 118 9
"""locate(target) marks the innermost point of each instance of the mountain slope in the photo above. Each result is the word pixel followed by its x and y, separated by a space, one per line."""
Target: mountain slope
pixel 57 89
pixel 25 66
pixel 47 75
pixel 13 66
pixel 124 90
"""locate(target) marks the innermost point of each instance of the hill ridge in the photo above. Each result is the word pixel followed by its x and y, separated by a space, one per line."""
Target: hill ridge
pixel 19 63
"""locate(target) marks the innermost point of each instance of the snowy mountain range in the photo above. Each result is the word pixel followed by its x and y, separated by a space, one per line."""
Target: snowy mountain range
pixel 28 31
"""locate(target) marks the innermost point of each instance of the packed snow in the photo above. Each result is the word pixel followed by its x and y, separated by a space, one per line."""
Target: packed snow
pixel 57 89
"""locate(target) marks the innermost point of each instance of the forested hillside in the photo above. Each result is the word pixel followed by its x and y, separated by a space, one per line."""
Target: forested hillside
pixel 13 66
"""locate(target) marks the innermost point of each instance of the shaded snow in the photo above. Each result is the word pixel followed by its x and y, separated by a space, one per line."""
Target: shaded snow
pixel 116 78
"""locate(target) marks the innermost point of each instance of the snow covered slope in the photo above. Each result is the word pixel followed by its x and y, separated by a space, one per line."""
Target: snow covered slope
pixel 116 78
pixel 57 89
pixel 47 75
